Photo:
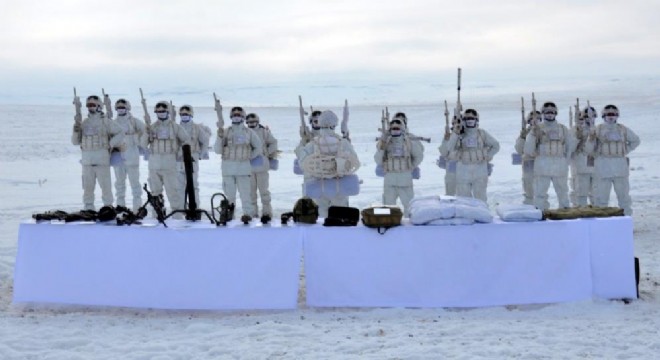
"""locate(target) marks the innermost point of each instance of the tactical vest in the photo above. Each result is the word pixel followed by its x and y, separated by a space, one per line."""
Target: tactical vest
pixel 94 135
pixel 237 145
pixel 551 141
pixel 611 141
pixel 471 149
pixel 165 140
pixel 398 156
pixel 130 129
pixel 193 130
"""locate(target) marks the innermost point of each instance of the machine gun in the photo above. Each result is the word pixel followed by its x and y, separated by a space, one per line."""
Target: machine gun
pixel 157 202
pixel 191 211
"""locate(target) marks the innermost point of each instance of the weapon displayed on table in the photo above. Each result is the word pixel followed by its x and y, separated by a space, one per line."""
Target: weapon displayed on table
pixel 78 106
pixel 224 210
pixel 157 202
pixel 344 122
pixel 191 211
pixel 305 133
pixel 108 104
pixel 147 118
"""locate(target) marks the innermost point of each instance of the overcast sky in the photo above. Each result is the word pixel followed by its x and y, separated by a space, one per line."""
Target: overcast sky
pixel 196 45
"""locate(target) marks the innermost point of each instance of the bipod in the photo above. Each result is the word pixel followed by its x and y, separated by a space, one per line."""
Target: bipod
pixel 224 210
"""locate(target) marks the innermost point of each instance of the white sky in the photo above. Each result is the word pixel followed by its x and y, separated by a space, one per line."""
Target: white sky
pixel 50 46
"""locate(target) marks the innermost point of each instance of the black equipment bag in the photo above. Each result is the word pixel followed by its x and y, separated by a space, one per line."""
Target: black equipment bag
pixel 342 216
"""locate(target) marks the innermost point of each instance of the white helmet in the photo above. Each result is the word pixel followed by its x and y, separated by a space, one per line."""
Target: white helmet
pixel 92 101
pixel 186 110
pixel 252 120
pixel 328 120
pixel 123 103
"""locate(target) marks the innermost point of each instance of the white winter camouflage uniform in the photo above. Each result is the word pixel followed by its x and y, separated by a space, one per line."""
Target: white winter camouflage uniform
pixel 164 140
pixel 610 145
pixel 96 136
pixel 398 156
pixel 260 176
pixel 134 129
pixel 238 145
pixel 551 144
pixel 450 167
pixel 472 150
pixel 582 173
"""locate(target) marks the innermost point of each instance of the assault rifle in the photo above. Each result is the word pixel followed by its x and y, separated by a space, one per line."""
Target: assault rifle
pixel 384 126
pixel 108 104
pixel 344 122
pixel 77 119
pixel 305 133
pixel 157 202
pixel 147 118
pixel 218 112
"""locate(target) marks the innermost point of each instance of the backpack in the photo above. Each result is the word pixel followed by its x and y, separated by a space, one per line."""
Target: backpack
pixel 382 217
pixel 342 216
pixel 305 211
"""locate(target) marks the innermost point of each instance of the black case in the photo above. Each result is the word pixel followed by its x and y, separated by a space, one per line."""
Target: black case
pixel 342 216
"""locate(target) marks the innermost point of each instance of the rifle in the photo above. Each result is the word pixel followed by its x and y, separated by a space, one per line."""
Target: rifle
pixel 570 117
pixel 384 126
pixel 420 138
pixel 158 203
pixel 534 122
pixel 147 118
pixel 577 110
pixel 172 112
pixel 522 112
pixel 446 121
pixel 77 119
pixel 218 111
pixel 344 122
pixel 458 109
pixel 107 103
pixel 305 133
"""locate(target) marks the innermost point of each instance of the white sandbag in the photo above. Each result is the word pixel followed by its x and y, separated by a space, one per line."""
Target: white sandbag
pixel 477 213
pixel 463 200
pixel 454 221
pixel 348 185
pixel 518 212
pixel 425 210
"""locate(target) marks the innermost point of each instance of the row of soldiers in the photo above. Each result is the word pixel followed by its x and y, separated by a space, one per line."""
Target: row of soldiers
pixel 328 161
pixel 118 141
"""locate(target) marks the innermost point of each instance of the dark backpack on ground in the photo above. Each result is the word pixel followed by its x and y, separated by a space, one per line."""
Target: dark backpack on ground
pixel 342 216
pixel 305 211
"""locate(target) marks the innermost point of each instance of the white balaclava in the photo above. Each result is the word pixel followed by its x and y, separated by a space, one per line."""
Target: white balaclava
pixel 162 110
pixel 186 113
pixel 252 120
pixel 549 111
pixel 610 114
pixel 471 118
pixel 123 107
pixel 237 115
pixel 93 104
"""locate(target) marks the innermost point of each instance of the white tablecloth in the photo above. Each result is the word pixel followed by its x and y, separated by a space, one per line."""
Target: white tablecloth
pixel 466 266
pixel 194 268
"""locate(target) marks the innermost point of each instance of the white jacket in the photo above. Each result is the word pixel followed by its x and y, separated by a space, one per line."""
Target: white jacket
pixel 96 137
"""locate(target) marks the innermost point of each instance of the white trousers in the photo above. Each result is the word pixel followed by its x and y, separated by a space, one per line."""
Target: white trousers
pixel 405 193
pixel 91 174
pixel 260 183
pixel 582 189
pixel 450 183
pixel 541 187
pixel 133 174
pixel 230 184
pixel 475 188
pixel 167 179
pixel 621 189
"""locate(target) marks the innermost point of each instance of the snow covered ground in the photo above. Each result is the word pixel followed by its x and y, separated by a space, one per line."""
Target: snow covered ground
pixel 39 171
